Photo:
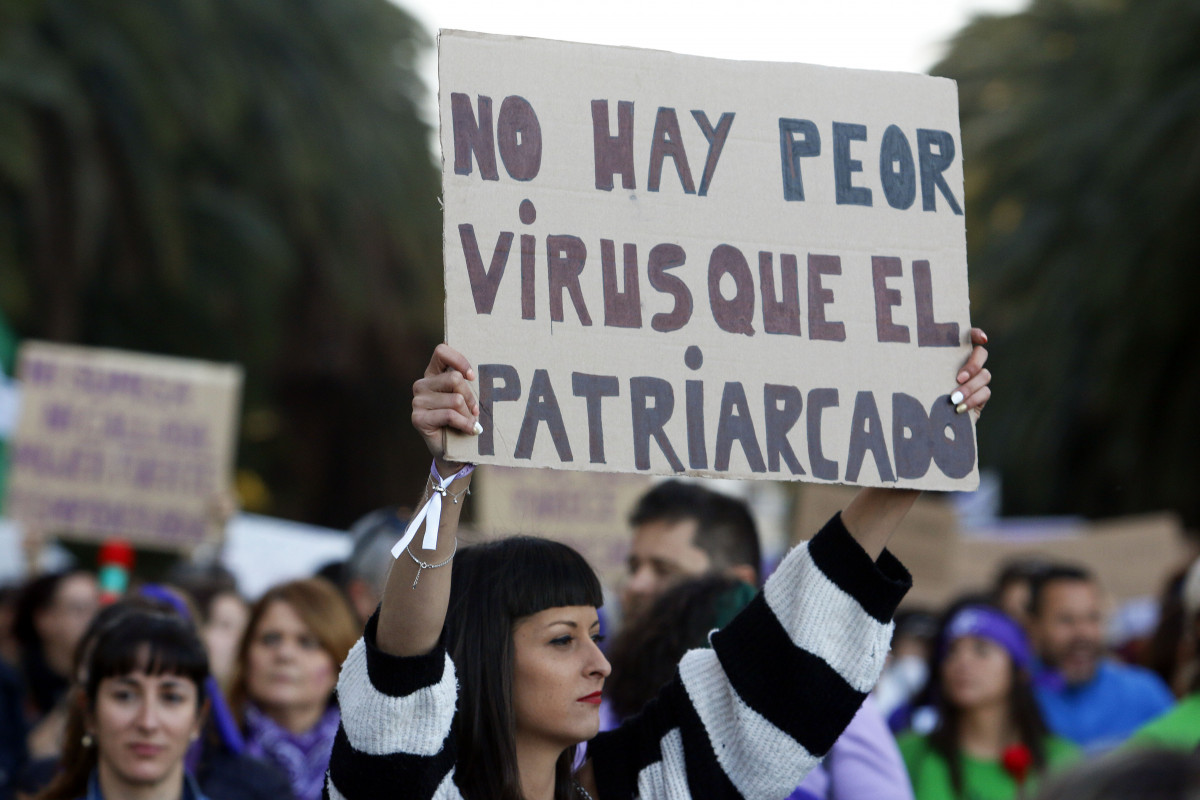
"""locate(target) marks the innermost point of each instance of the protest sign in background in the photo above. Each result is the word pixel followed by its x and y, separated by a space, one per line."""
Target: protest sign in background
pixel 588 512
pixel 110 443
pixel 663 264
pixel 1131 556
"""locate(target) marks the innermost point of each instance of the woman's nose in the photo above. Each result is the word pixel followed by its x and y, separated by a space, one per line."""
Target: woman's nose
pixel 600 665
pixel 285 650
pixel 147 716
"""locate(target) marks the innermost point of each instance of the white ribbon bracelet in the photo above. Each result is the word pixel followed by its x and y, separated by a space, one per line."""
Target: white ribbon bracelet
pixel 431 512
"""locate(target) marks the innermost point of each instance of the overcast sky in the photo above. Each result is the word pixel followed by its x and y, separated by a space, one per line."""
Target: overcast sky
pixel 902 35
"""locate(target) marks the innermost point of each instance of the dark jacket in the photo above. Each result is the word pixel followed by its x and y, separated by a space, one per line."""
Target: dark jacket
pixel 12 730
pixel 190 790
pixel 231 776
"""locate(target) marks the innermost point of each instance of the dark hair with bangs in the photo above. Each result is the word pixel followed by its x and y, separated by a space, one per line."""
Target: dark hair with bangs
pixel 156 644
pixel 493 587
pixel 133 638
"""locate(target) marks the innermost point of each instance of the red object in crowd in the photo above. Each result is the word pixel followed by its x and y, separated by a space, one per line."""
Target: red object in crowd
pixel 1017 760
pixel 115 563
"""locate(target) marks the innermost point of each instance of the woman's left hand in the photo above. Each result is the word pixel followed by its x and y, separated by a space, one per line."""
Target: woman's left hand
pixel 973 390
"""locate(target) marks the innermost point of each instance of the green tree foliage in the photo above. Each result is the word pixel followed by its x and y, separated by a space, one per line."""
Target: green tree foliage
pixel 237 180
pixel 1081 132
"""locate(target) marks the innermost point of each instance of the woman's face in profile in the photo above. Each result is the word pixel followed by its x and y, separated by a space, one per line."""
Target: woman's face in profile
pixel 228 615
pixel 558 674
pixel 142 726
pixel 976 672
pixel 287 668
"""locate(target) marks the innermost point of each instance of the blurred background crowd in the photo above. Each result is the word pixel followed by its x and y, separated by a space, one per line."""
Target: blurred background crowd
pixel 991 695
pixel 252 182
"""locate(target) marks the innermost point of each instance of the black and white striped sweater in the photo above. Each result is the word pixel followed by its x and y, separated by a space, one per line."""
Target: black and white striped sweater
pixel 746 719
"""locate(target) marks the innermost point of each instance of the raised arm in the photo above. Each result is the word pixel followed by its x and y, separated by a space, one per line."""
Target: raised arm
pixel 874 514
pixel 411 616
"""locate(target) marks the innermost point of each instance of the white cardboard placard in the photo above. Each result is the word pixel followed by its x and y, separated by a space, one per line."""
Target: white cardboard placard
pixel 112 443
pixel 673 264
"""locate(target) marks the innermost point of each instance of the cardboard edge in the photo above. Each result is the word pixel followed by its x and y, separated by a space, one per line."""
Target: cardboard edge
pixel 484 36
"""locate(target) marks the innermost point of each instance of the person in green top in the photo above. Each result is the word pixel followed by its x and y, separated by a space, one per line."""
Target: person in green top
pixel 1179 728
pixel 990 742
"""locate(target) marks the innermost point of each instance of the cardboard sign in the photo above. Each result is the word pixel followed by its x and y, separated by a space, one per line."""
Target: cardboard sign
pixel 588 512
pixel 110 443
pixel 1132 556
pixel 672 264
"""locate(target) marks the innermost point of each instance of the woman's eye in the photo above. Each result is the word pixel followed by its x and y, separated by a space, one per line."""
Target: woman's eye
pixel 309 643
pixel 562 640
pixel 270 639
pixel 598 638
pixel 174 698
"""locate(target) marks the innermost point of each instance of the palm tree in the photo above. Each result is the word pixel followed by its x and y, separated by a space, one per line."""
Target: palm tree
pixel 1081 134
pixel 236 181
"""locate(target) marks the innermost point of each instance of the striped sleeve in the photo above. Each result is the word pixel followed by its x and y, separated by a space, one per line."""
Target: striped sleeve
pixel 752 716
pixel 397 727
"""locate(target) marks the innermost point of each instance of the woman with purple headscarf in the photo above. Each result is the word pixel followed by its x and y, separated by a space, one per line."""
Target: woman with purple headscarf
pixel 990 742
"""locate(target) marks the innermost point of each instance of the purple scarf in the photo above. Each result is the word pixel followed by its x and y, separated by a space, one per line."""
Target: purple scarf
pixel 303 757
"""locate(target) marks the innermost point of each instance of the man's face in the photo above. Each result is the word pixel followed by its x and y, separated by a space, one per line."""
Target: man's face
pixel 1069 629
pixel 661 555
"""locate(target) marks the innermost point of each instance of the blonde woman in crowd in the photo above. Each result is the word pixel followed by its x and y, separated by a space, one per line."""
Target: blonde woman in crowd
pixel 283 687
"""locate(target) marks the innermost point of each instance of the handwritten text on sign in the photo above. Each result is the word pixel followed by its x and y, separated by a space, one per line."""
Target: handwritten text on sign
pixel 111 443
pixel 664 264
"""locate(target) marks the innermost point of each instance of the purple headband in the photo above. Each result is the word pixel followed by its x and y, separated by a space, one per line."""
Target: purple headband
pixel 989 623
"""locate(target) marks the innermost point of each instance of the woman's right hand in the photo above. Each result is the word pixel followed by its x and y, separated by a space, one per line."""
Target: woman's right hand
pixel 413 611
pixel 443 399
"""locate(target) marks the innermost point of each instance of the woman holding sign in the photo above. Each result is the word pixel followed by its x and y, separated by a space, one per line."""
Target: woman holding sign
pixel 478 680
